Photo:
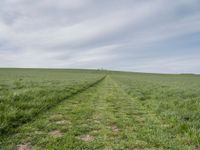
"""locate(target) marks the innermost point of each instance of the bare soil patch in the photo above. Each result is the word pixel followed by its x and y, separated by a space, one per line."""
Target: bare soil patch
pixel 24 146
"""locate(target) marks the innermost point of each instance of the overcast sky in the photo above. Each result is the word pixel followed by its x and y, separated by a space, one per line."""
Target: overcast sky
pixel 135 35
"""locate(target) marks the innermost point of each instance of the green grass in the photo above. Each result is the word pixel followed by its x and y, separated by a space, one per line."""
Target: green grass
pixel 82 109
pixel 24 93
pixel 174 99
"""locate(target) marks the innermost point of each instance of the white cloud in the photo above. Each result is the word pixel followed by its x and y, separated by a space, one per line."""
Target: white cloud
pixel 88 33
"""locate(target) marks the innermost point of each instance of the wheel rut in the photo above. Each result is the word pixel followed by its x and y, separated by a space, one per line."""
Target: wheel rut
pixel 6 132
pixel 101 117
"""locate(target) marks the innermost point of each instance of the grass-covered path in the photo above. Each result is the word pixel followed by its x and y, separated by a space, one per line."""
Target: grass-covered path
pixel 102 117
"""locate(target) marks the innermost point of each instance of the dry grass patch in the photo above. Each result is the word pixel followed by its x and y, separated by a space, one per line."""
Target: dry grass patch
pixel 115 129
pixel 62 122
pixel 86 138
pixel 56 117
pixel 39 132
pixel 140 149
pixel 55 133
pixel 24 146
pixel 97 121
pixel 140 119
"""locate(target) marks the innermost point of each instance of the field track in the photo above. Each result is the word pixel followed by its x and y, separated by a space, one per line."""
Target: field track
pixel 101 117
pixel 13 124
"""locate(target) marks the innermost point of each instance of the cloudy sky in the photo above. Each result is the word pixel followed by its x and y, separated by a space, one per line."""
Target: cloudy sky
pixel 135 35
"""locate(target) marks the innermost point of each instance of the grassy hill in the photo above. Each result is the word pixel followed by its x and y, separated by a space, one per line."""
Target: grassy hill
pixel 93 109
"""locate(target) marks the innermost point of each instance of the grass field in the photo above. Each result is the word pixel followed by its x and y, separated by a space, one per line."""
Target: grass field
pixel 85 109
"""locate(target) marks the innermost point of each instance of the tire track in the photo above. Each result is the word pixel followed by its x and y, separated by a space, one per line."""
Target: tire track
pixel 11 129
pixel 53 116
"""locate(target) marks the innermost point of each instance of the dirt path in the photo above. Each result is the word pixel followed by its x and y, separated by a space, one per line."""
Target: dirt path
pixel 102 117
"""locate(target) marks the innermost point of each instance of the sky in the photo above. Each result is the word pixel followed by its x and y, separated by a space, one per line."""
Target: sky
pixel 161 36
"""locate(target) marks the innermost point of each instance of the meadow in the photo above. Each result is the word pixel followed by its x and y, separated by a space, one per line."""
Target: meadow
pixel 93 109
